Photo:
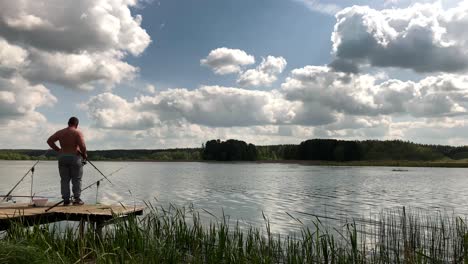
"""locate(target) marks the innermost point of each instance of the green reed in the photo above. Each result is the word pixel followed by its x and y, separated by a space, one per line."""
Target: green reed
pixel 178 235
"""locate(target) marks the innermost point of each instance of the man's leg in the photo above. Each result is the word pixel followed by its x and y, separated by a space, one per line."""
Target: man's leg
pixel 64 171
pixel 76 174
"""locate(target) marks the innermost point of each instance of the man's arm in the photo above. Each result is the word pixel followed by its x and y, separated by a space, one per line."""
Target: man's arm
pixel 51 141
pixel 82 145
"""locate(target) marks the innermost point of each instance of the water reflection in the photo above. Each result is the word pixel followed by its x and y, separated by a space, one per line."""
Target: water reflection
pixel 245 190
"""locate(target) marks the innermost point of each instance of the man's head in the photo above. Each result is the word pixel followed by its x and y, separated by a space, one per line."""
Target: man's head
pixel 73 122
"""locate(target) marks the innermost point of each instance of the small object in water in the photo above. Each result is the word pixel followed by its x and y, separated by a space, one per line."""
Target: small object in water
pixel 40 201
pixel 399 170
pixel 78 201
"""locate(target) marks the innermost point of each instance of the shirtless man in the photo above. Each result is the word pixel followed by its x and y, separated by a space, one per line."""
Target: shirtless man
pixel 71 155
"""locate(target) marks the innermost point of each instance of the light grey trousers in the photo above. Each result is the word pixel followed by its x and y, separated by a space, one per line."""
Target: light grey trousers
pixel 70 169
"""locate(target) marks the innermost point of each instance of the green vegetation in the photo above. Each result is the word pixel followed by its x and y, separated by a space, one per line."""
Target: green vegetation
pixel 315 151
pixel 368 150
pixel 14 155
pixel 145 154
pixel 187 154
pixel 229 150
pixel 176 235
pixel 336 152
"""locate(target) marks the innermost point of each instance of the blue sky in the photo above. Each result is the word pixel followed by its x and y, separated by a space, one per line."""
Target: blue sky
pixel 175 73
pixel 183 32
pixel 193 28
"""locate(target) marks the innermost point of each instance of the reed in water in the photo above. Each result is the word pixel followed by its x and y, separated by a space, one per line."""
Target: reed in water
pixel 178 235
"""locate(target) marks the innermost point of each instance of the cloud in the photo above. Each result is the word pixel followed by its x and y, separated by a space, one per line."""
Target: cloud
pixel 75 45
pixel 111 111
pixel 317 6
pixel 225 61
pixel 332 102
pixel 445 130
pixel 79 71
pixel 314 101
pixel 330 91
pixel 183 134
pixel 23 131
pixel 212 106
pixel 73 27
pixel 220 106
pixel 265 74
pixel 18 98
pixel 422 37
pixel 319 88
pixel 150 88
pixel 355 128
pixel 11 56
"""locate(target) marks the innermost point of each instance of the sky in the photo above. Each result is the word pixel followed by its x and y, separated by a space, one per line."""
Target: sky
pixel 149 74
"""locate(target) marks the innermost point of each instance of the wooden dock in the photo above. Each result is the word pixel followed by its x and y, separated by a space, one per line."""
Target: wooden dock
pixel 93 214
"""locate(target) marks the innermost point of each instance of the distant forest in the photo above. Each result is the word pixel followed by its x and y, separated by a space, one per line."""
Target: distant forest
pixel 236 150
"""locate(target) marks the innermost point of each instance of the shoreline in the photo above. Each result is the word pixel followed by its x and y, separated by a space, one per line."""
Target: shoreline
pixel 362 163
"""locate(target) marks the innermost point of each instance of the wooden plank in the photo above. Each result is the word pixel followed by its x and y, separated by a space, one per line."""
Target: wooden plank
pixel 93 213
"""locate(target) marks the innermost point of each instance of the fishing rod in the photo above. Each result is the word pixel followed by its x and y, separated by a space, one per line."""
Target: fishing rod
pixel 99 171
pixel 26 196
pixel 97 182
pixel 26 174
pixel 87 187
pixel 16 185
pixel 87 160
pixel 11 197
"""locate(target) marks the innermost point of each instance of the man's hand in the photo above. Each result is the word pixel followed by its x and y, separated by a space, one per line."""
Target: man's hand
pixel 84 155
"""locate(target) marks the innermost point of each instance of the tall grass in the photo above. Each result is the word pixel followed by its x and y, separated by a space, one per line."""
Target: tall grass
pixel 177 235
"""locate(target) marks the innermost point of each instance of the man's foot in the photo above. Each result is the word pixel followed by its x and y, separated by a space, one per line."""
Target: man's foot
pixel 78 201
pixel 66 202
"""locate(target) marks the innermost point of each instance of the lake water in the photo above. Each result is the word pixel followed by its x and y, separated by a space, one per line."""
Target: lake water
pixel 245 190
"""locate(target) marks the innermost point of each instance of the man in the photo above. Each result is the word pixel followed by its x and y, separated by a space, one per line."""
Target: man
pixel 71 155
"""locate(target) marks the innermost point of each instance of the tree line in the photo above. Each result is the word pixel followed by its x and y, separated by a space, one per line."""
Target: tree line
pixel 237 150
pixel 332 150
pixel 229 150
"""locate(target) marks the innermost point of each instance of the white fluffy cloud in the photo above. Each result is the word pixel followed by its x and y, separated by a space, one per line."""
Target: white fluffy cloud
pixel 265 74
pixel 220 106
pixel 422 37
pixel 11 56
pixel 74 44
pixel 313 101
pixel 320 6
pixel 330 91
pixel 225 61
pixel 111 111
pixel 23 131
pixel 83 43
pixel 18 98
pixel 212 106
pixel 74 26
pixel 363 95
pixel 80 71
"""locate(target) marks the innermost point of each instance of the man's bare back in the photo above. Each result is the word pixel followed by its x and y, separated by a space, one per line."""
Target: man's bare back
pixel 71 141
